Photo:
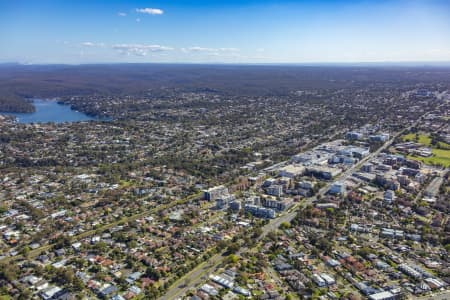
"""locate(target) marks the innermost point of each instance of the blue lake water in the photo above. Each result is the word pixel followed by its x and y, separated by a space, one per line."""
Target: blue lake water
pixel 51 111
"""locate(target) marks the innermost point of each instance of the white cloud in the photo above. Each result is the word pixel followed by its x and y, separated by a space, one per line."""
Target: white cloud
pixel 198 49
pixel 228 49
pixel 87 44
pixel 210 50
pixel 207 53
pixel 91 44
pixel 121 14
pixel 150 11
pixel 139 49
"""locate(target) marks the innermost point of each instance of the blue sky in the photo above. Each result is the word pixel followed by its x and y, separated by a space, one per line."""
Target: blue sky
pixel 89 31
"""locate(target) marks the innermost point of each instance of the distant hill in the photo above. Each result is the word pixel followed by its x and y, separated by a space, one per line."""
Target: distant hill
pixel 18 82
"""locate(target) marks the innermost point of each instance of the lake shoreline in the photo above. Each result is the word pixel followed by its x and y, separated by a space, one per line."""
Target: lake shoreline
pixel 53 111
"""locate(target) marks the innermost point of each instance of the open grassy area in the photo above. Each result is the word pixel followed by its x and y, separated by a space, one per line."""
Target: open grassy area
pixel 439 157
pixel 441 151
pixel 423 139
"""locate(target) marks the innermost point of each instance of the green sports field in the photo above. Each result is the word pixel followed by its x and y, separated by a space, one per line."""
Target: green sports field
pixel 441 152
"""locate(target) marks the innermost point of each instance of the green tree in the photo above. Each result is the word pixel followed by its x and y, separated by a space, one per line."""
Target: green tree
pixel 233 258
pixel 25 251
pixel 285 225
pixel 233 247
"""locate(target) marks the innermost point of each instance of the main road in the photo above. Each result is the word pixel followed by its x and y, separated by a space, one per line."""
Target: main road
pixel 198 275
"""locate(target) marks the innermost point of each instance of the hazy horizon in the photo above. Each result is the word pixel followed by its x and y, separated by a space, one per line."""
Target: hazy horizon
pixel 292 64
